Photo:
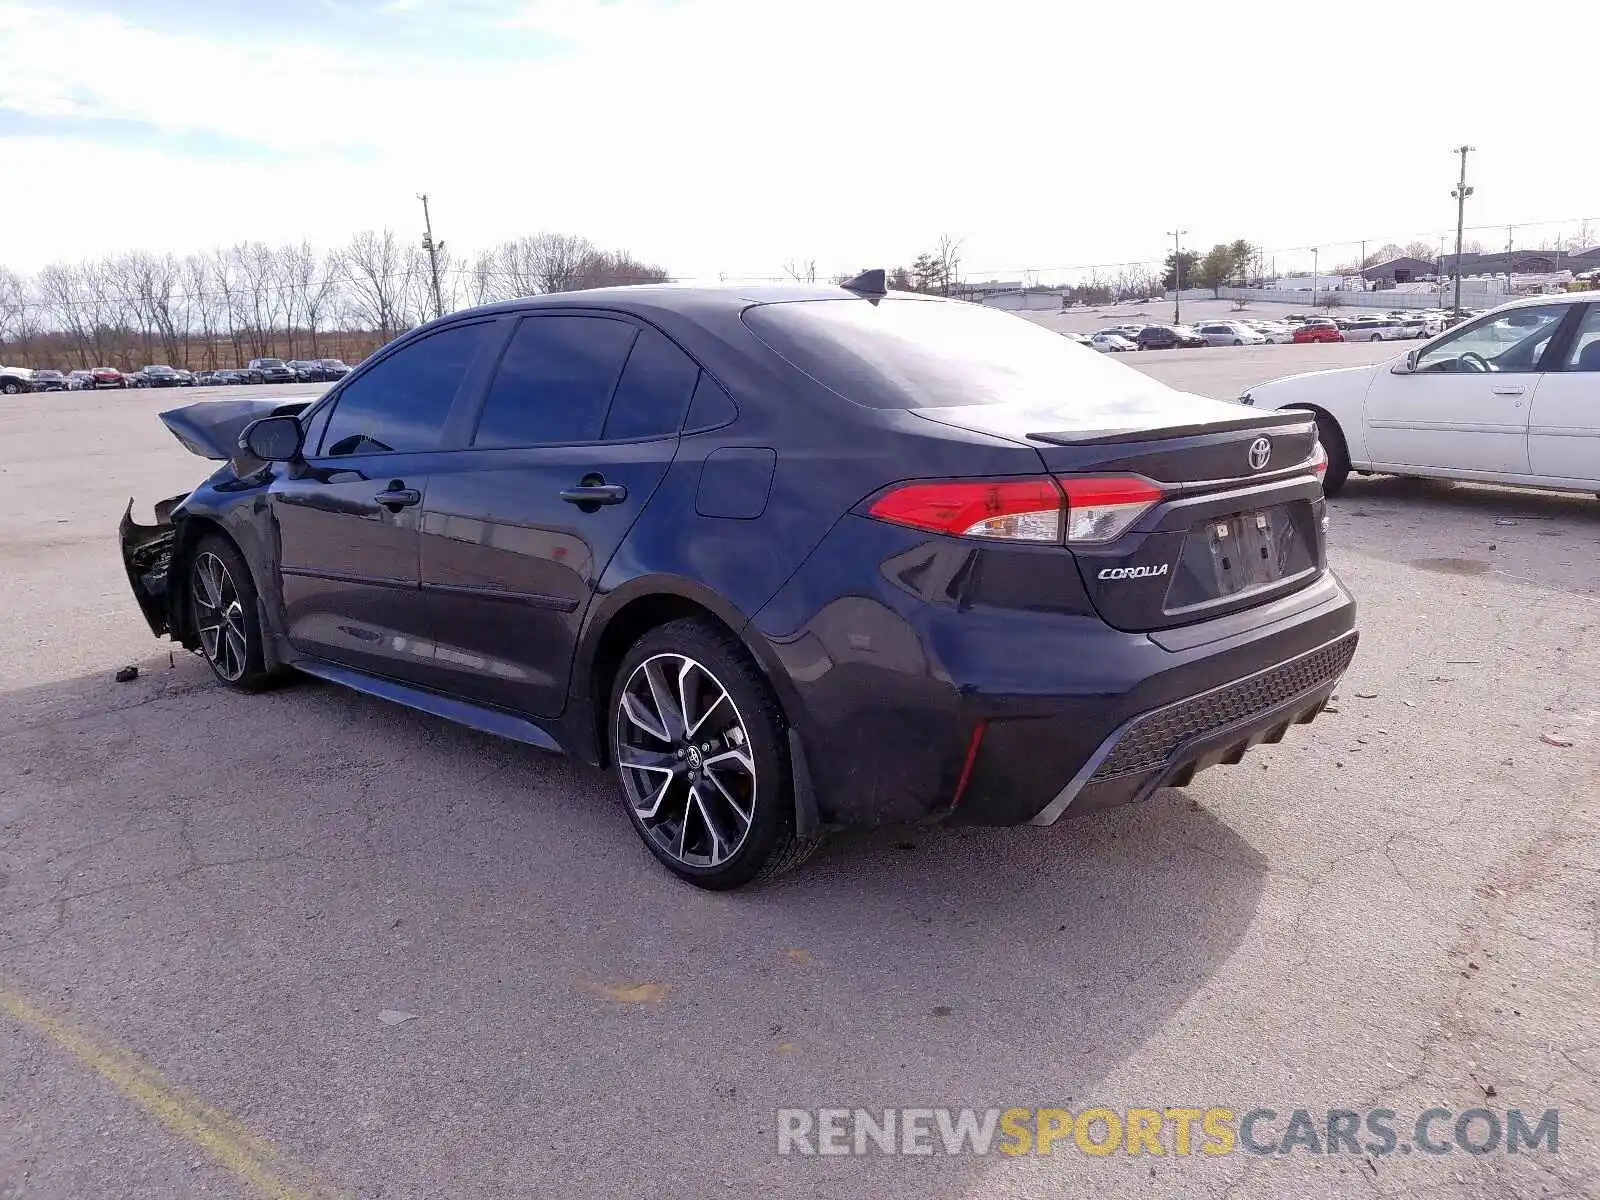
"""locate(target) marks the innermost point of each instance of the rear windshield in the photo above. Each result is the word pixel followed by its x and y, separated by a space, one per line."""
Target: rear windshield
pixel 933 354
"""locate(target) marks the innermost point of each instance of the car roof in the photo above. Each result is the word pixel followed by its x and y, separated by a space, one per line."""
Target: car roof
pixel 683 298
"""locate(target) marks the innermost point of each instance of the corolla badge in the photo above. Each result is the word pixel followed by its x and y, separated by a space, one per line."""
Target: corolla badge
pixel 1260 453
pixel 1133 572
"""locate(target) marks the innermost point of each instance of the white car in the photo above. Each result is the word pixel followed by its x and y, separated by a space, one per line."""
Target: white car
pixel 1277 332
pixel 1510 397
pixel 1229 333
pixel 1112 343
pixel 1371 329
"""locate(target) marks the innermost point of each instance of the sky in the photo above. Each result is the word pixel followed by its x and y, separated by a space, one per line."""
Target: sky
pixel 730 137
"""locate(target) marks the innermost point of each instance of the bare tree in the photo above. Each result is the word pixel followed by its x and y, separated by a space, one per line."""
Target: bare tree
pixel 375 276
pixel 205 311
pixel 801 272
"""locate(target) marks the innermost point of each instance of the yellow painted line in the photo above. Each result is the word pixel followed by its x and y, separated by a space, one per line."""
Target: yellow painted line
pixel 246 1155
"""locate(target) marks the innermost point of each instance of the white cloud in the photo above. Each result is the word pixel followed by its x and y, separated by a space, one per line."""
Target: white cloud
pixel 731 135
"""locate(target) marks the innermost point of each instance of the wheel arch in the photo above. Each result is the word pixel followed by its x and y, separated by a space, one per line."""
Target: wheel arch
pixel 626 614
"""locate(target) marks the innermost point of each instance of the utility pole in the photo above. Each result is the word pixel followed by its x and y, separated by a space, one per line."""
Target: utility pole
pixel 1460 196
pixel 1314 251
pixel 1509 228
pixel 433 249
pixel 1177 271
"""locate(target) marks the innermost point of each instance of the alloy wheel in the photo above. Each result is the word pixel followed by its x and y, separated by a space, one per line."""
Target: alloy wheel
pixel 683 754
pixel 219 617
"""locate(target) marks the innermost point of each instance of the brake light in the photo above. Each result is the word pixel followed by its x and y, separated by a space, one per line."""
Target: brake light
pixel 1096 509
pixel 1027 510
pixel 1319 459
pixel 1103 509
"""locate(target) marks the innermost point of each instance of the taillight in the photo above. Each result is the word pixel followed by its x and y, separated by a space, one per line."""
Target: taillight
pixel 1080 510
pixel 1103 509
pixel 1319 459
pixel 1027 510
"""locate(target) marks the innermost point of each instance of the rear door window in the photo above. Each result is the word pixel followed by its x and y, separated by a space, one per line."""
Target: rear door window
pixel 555 381
pixel 654 390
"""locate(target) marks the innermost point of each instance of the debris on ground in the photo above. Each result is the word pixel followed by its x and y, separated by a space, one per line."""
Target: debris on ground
pixel 127 674
pixel 1366 695
pixel 390 1016
pixel 1555 739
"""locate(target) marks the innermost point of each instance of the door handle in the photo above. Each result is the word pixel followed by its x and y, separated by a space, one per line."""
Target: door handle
pixel 1508 391
pixel 595 493
pixel 395 498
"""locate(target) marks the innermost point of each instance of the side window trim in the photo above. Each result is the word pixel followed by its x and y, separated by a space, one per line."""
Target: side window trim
pixel 1568 363
pixel 324 411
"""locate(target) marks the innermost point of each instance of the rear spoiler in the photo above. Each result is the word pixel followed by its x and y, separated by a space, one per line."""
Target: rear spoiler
pixel 1284 420
pixel 211 428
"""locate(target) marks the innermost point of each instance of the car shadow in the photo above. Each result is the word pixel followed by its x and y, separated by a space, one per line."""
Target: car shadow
pixel 1543 539
pixel 236 885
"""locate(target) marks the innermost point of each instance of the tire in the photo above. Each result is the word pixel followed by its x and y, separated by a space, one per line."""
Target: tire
pixel 10 388
pixel 1333 444
pixel 221 595
pixel 697 834
pixel 1377 337
pixel 1237 342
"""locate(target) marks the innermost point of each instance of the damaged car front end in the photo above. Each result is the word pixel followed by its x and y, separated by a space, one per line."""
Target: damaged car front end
pixel 154 555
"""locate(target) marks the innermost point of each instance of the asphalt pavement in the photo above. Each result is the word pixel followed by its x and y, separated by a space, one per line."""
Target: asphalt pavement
pixel 307 943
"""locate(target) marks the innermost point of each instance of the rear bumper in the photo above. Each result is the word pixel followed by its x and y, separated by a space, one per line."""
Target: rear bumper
pixel 1168 746
pixel 921 692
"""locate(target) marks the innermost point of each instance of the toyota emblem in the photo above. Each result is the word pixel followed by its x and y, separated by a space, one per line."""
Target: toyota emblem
pixel 1260 453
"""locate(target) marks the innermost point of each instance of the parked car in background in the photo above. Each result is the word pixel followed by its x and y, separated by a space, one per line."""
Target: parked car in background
pixel 1506 398
pixel 1229 333
pixel 185 377
pixel 48 381
pixel 271 370
pixel 334 367
pixel 1112 343
pixel 307 370
pixel 15 380
pixel 108 377
pixel 80 381
pixel 1317 329
pixel 1015 620
pixel 1369 329
pixel 157 375
pixel 1168 337
pixel 1278 332
pixel 210 378
pixel 248 375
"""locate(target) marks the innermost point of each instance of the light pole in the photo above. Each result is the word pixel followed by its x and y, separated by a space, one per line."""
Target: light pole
pixel 1314 252
pixel 1460 195
pixel 433 249
pixel 1177 271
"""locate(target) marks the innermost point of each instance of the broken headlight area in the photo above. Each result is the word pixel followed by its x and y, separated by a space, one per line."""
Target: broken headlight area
pixel 147 558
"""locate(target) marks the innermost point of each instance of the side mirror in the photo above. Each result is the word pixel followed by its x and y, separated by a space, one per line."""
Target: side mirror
pixel 1406 365
pixel 273 439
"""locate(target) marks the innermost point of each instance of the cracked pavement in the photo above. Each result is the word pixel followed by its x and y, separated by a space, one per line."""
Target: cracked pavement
pixel 1398 906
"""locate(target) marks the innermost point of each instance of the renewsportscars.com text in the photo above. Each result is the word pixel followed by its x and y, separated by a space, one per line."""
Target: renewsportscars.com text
pixel 1178 1131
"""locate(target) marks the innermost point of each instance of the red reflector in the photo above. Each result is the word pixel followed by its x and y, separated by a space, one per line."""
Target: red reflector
pixel 975 508
pixel 1319 460
pixel 972 757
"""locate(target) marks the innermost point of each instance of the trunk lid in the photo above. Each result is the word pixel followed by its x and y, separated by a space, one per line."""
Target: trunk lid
pixel 1240 518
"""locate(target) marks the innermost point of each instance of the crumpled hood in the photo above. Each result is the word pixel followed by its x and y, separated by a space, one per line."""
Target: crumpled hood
pixel 211 428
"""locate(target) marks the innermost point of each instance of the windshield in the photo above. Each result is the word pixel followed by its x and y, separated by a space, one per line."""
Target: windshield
pixel 903 353
pixel 268 362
